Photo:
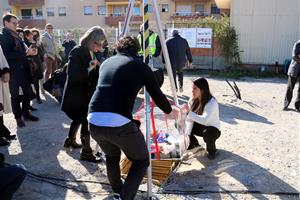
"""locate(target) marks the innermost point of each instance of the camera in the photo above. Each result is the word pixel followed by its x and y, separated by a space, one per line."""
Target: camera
pixel 33 45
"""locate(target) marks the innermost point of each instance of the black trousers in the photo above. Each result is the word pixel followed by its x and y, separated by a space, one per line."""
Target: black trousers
pixel 179 73
pixel 3 129
pixel 11 178
pixel 209 133
pixel 289 92
pixel 37 88
pixel 84 134
pixel 130 140
pixel 15 99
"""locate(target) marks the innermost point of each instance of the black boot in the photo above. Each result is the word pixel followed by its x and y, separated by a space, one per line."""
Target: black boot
pixel 3 142
pixel 87 152
pixel 193 142
pixel 4 132
pixel 70 141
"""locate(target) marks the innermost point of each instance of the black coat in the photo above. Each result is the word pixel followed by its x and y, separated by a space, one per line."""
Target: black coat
pixel 36 73
pixel 80 84
pixel 179 52
pixel 15 54
pixel 68 47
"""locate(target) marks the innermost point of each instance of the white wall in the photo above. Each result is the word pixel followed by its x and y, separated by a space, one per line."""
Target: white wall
pixel 267 29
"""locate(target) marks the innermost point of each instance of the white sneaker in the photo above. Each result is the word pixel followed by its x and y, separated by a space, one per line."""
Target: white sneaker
pixel 180 89
pixel 116 196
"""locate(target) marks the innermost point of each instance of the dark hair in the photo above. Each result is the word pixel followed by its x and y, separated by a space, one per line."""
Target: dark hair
pixel 7 17
pixel 27 32
pixel 128 44
pixel 199 103
pixel 35 30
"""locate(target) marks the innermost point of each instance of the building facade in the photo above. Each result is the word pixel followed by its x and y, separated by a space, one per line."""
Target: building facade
pixel 106 13
pixel 267 29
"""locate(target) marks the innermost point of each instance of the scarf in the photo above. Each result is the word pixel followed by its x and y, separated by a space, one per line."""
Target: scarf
pixel 17 40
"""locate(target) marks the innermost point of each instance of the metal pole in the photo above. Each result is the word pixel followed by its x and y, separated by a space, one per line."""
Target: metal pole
pixel 165 51
pixel 128 17
pixel 147 97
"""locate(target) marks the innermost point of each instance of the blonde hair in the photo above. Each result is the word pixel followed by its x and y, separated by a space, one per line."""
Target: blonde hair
pixel 93 35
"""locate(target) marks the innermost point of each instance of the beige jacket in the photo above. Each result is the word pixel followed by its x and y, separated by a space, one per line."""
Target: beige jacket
pixel 4 88
pixel 49 45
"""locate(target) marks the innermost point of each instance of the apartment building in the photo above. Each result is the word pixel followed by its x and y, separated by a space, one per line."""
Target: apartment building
pixel 107 13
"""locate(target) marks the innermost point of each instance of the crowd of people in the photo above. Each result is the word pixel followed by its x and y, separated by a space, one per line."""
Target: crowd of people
pixel 105 89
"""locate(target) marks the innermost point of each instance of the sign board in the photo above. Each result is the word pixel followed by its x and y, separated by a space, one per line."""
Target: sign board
pixel 196 37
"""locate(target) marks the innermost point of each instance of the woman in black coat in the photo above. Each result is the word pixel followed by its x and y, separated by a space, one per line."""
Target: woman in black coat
pixel 36 64
pixel 82 77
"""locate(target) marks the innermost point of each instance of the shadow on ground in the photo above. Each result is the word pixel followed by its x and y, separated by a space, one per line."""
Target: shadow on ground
pixel 228 173
pixel 230 113
pixel 40 147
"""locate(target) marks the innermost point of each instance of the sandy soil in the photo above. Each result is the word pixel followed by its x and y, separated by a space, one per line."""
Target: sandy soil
pixel 258 159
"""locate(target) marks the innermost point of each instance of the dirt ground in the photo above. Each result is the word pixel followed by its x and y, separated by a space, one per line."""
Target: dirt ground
pixel 258 159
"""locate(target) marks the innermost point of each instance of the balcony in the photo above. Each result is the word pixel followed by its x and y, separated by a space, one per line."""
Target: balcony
pixel 32 22
pixel 26 2
pixel 188 16
pixel 114 19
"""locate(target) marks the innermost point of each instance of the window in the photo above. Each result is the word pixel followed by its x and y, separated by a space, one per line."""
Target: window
pixel 39 12
pixel 101 10
pixel 164 7
pixel 62 11
pixel 183 10
pixel 214 9
pixel 150 8
pixel 50 12
pixel 88 10
pixel 117 10
pixel 26 13
pixel 199 8
pixel 137 11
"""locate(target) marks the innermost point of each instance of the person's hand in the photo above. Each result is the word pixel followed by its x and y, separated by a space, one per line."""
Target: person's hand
pixel 5 77
pixel 185 108
pixel 93 64
pixel 174 113
pixel 31 51
pixel 190 65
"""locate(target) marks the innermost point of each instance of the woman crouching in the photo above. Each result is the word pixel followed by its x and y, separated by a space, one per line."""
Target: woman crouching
pixel 203 117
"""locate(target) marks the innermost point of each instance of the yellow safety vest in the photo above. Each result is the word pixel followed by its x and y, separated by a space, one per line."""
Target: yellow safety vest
pixel 152 40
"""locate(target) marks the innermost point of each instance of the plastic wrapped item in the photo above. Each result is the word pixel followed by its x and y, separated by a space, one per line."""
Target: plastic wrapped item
pixel 168 139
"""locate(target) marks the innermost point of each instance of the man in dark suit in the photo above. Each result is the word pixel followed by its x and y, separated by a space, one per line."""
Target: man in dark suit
pixel 16 55
pixel 179 53
pixel 293 77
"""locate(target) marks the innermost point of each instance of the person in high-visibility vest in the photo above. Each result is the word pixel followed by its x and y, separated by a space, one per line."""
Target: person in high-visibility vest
pixel 155 51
